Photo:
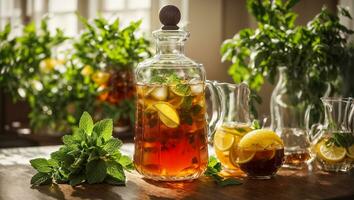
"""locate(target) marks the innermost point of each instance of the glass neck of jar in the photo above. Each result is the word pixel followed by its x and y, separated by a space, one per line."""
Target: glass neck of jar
pixel 166 47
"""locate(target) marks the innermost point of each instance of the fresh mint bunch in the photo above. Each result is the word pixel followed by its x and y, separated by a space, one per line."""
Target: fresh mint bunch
pixel 214 167
pixel 89 155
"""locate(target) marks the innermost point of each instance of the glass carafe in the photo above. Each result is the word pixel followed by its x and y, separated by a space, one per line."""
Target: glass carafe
pixel 332 142
pixel 233 123
pixel 171 134
pixel 288 110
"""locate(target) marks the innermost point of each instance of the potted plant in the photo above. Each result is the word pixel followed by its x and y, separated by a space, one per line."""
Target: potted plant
pixel 308 60
pixel 108 54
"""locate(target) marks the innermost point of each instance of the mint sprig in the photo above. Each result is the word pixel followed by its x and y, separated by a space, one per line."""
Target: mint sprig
pixel 213 169
pixel 89 155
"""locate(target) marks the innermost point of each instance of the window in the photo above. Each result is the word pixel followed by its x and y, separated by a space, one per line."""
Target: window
pixel 62 13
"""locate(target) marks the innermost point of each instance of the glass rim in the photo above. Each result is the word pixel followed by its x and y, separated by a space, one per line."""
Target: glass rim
pixel 344 99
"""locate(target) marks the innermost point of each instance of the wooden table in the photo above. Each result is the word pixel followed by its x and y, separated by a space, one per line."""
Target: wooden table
pixel 15 174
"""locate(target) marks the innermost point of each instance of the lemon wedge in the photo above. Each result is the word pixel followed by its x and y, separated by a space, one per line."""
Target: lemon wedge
pixel 350 151
pixel 167 114
pixel 260 139
pixel 223 141
pixel 331 153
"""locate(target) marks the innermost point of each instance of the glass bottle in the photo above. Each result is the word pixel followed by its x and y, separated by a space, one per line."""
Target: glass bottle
pixel 170 128
pixel 288 121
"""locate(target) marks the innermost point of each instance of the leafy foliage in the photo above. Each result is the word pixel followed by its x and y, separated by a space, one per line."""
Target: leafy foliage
pixel 106 45
pixel 214 167
pixel 60 84
pixel 90 155
pixel 313 55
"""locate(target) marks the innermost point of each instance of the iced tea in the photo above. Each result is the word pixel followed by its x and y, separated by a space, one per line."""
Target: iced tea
pixel 260 154
pixel 226 140
pixel 171 135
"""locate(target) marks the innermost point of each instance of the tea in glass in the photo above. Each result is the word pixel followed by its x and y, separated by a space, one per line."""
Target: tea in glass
pixel 260 154
pixel 171 134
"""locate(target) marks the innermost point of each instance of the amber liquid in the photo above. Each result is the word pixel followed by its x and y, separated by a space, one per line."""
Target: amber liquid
pixel 164 153
pixel 264 164
pixel 296 158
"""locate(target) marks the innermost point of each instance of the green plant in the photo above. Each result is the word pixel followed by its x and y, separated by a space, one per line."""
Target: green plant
pixel 108 48
pixel 213 169
pixel 107 45
pixel 313 55
pixel 90 155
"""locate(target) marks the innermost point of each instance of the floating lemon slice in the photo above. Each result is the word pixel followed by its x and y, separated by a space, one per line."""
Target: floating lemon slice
pixel 244 156
pixel 181 90
pixel 223 141
pixel 331 153
pixel 350 151
pixel 260 139
pixel 167 114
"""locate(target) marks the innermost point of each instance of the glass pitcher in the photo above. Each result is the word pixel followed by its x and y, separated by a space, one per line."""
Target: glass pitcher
pixel 171 130
pixel 332 142
pixel 233 123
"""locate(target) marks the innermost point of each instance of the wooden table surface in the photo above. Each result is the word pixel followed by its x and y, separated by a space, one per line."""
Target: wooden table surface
pixel 15 175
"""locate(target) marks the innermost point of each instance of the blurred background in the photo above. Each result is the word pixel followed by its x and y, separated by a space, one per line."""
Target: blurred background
pixel 210 22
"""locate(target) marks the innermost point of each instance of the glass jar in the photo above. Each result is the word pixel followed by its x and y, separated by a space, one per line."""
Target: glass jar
pixel 288 121
pixel 170 128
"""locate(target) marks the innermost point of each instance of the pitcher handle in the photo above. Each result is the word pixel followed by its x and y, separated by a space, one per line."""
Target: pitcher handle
pixel 216 108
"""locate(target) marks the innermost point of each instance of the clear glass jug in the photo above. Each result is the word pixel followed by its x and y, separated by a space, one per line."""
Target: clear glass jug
pixel 232 124
pixel 332 142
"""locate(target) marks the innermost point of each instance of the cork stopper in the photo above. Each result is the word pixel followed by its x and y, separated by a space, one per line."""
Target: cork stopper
pixel 169 17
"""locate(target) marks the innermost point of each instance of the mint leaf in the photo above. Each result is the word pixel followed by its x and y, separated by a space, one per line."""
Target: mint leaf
pixel 76 180
pixel 157 79
pixel 96 171
pixel 104 129
pixel 213 169
pixel 229 181
pixel 126 162
pixel 86 123
pixel 68 139
pixel 40 179
pixel 113 181
pixel 41 165
pixel 182 90
pixel 112 145
pixel 115 170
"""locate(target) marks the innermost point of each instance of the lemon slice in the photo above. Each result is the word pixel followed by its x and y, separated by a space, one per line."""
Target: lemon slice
pixel 181 90
pixel 87 70
pixel 223 141
pixel 350 151
pixel 260 139
pixel 244 156
pixel 331 153
pixel 167 114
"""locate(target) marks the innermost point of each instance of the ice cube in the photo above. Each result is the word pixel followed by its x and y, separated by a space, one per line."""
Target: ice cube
pixel 197 89
pixel 160 93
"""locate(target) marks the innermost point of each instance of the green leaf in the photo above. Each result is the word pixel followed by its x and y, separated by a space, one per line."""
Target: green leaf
pixel 112 145
pixel 229 181
pixel 41 165
pixel 104 129
pixel 126 162
pixel 86 123
pixel 76 180
pixel 96 171
pixel 115 170
pixel 113 181
pixel 68 139
pixel 40 179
